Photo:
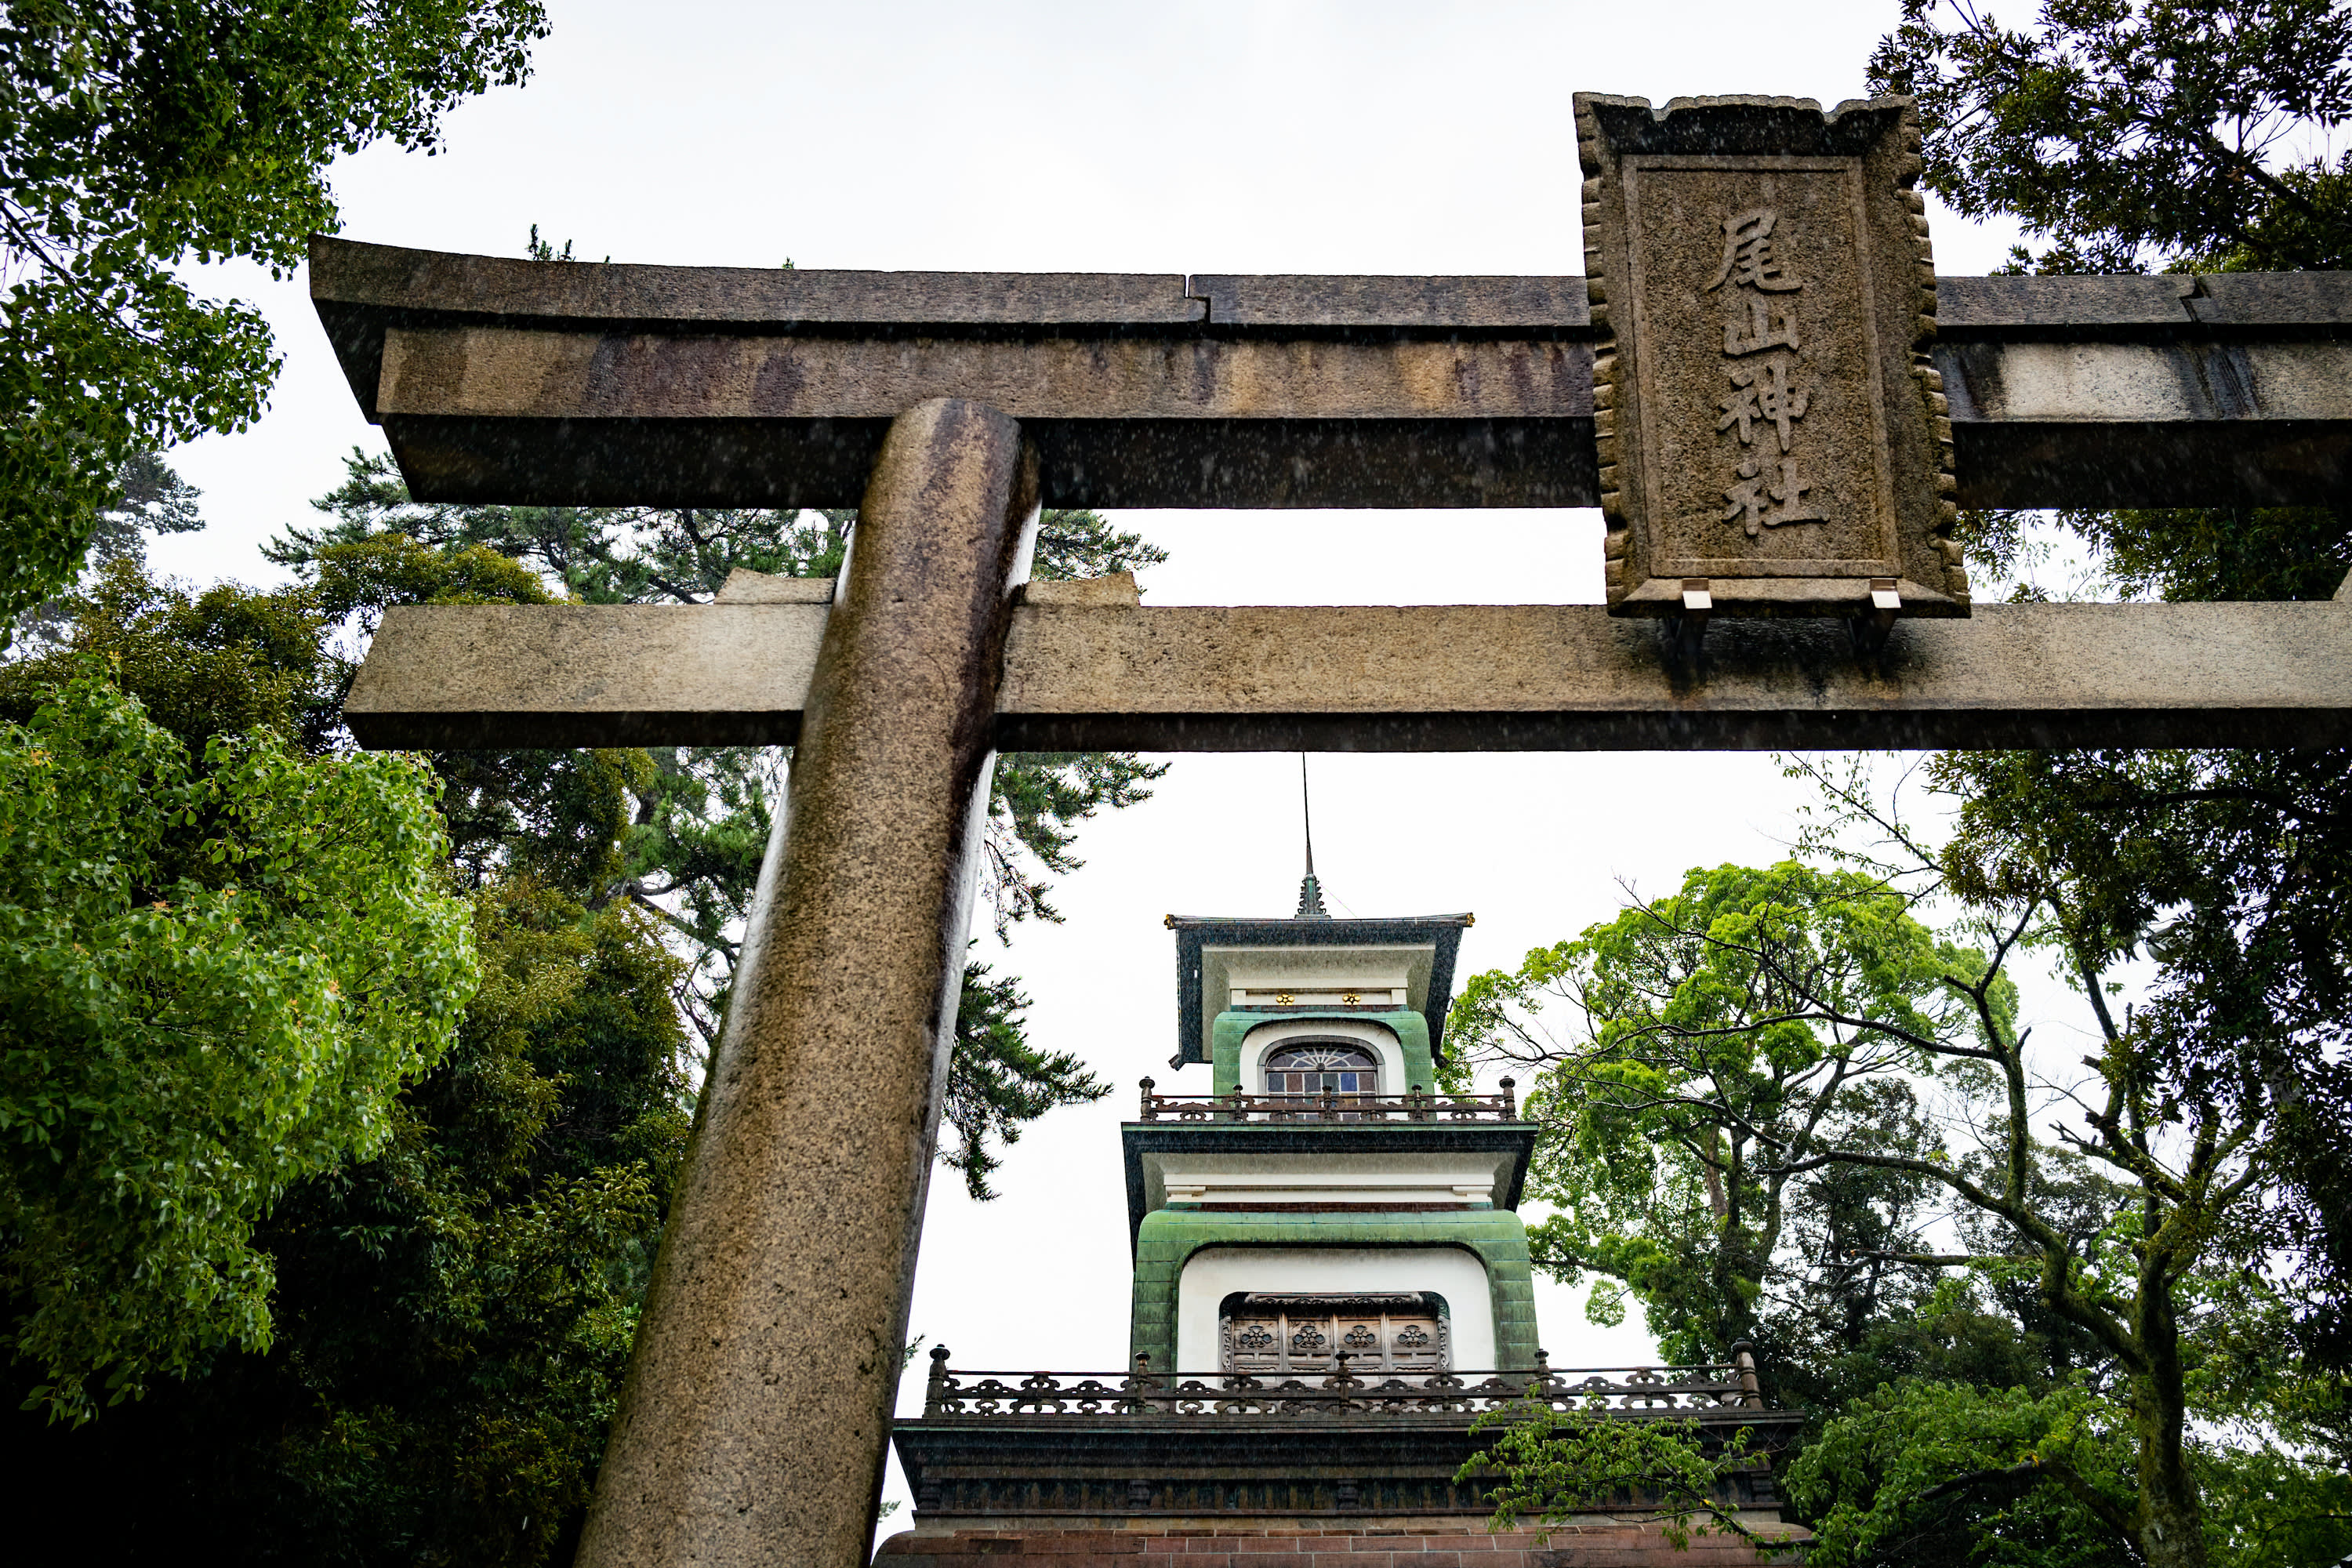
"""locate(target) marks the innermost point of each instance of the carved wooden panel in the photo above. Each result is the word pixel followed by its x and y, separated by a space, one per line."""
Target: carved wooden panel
pixel 1287 1336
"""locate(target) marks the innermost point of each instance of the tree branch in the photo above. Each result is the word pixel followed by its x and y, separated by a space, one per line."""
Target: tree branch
pixel 2034 1469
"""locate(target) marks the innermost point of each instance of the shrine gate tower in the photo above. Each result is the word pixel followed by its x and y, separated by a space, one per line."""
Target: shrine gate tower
pixel 1324 1201
pixel 1332 1285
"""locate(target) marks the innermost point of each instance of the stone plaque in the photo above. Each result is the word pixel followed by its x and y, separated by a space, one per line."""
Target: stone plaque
pixel 1769 426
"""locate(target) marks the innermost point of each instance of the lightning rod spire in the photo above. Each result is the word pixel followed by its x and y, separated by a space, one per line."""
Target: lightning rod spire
pixel 1310 891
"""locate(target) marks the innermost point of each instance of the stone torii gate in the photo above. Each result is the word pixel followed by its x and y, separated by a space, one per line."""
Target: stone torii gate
pixel 1762 382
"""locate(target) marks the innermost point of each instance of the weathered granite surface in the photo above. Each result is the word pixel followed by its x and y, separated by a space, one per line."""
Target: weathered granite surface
pixel 1104 677
pixel 498 380
pixel 1764 414
pixel 752 1426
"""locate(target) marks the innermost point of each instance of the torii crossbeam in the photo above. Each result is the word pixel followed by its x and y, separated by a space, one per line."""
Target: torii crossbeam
pixel 947 407
pixel 501 381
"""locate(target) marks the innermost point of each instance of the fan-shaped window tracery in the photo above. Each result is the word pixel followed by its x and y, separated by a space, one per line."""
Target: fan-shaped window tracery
pixel 1321 1066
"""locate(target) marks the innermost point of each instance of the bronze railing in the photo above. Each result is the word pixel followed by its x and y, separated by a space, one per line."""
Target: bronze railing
pixel 1640 1390
pixel 1331 1105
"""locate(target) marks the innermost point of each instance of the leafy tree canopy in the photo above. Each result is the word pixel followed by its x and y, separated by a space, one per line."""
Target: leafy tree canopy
pixel 2129 131
pixel 2224 869
pixel 226 660
pixel 453 1313
pixel 2189 137
pixel 150 500
pixel 452 1308
pixel 997 1082
pixel 134 137
pixel 1691 1069
pixel 695 821
pixel 1779 1106
pixel 2138 136
pixel 1911 1469
pixel 1557 1465
pixel 445 1310
pixel 215 976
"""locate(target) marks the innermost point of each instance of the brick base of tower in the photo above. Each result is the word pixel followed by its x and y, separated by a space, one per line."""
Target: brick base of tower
pixel 1361 1489
pixel 1150 1544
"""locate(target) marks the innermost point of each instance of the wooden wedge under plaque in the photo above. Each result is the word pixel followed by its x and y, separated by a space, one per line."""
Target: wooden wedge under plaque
pixel 1769 428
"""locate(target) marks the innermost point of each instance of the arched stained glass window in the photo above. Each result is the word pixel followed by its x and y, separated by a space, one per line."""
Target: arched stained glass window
pixel 1312 1068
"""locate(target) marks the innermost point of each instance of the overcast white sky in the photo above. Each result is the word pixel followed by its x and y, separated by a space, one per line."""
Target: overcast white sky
pixel 1368 137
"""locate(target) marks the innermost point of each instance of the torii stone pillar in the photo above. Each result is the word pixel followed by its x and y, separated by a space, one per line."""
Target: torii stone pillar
pixel 752 1426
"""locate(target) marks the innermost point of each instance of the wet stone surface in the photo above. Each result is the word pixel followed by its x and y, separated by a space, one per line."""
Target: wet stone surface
pixel 1766 418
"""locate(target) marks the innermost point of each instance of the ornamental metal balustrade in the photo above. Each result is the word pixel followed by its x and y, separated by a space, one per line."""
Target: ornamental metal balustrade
pixel 1614 1391
pixel 1332 1105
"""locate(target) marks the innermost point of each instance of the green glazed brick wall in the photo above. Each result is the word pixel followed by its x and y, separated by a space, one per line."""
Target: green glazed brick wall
pixel 1409 1028
pixel 1169 1236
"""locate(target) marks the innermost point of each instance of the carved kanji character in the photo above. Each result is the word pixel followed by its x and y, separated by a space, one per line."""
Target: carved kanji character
pixel 1791 493
pixel 1748 253
pixel 1770 323
pixel 1762 395
pixel 1767 495
pixel 1747 500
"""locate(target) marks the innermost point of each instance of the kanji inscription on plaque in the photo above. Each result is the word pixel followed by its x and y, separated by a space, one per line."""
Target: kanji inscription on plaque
pixel 1766 417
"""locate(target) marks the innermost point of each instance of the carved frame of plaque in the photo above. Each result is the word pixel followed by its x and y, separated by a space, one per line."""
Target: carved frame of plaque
pixel 1765 413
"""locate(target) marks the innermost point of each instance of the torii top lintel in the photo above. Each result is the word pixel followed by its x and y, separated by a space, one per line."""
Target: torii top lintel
pixel 514 381
pixel 586 384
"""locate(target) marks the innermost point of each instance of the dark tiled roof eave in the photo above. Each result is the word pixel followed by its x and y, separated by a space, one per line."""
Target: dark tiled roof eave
pixel 1443 932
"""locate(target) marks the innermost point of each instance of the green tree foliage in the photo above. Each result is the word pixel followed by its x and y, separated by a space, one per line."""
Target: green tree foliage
pixel 448 1312
pixel 1937 1472
pixel 136 136
pixel 1931 1473
pixel 1555 1465
pixel 225 660
pixel 1697 1072
pixel 697 818
pixel 454 1314
pixel 451 1314
pixel 215 976
pixel 1729 1051
pixel 2131 132
pixel 203 664
pixel 997 1082
pixel 2225 870
pixel 2137 135
pixel 150 500
pixel 2189 138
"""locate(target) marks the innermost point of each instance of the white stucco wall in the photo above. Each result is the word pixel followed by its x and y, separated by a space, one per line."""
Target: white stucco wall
pixel 1215 1272
pixel 1267 1037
